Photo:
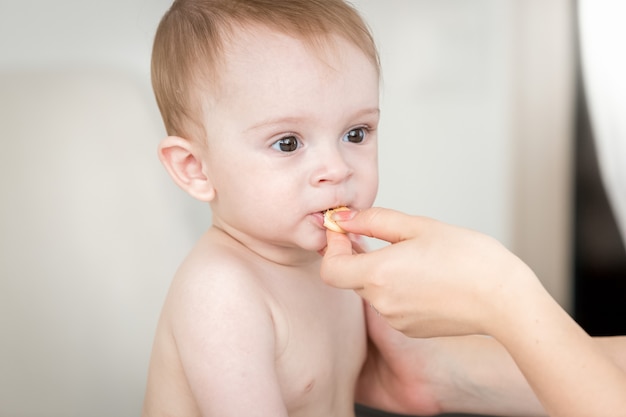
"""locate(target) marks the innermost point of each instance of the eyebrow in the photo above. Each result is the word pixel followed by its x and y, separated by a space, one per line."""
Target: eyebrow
pixel 295 119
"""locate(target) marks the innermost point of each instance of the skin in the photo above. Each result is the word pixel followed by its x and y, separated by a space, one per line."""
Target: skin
pixel 248 327
pixel 487 291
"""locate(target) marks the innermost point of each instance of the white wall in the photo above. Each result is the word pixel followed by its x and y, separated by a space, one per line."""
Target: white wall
pixel 477 120
pixel 66 33
pixel 92 229
pixel 444 135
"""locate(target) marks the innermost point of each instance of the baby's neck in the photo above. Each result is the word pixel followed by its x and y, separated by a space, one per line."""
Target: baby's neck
pixel 274 254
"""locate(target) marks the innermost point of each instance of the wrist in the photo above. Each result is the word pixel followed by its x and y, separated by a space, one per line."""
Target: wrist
pixel 514 301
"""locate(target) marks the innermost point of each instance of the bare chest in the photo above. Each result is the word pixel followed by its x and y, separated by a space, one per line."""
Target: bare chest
pixel 320 349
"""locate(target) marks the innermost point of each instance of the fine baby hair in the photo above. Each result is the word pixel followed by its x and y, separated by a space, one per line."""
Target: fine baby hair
pixel 189 46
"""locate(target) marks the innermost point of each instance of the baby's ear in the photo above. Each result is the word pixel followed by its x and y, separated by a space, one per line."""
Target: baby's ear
pixel 185 165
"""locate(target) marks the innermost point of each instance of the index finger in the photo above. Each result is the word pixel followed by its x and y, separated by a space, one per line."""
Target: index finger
pixel 386 224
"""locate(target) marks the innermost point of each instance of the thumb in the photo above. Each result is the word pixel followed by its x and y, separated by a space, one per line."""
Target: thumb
pixel 342 268
pixel 338 244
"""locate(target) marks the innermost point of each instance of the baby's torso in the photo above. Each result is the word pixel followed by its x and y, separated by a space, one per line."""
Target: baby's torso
pixel 320 347
pixel 321 343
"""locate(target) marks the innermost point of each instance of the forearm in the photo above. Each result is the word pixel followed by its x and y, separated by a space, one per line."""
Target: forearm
pixel 479 376
pixel 571 373
pixel 467 374
pixel 615 348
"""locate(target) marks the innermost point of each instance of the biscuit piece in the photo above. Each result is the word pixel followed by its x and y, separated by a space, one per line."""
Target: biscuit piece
pixel 329 223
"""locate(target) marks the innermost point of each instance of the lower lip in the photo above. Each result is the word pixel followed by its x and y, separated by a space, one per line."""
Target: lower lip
pixel 318 219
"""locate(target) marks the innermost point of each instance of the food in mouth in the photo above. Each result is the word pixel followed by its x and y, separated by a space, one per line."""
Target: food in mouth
pixel 329 223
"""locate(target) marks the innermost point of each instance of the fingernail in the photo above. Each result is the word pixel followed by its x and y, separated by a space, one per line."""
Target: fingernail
pixel 343 215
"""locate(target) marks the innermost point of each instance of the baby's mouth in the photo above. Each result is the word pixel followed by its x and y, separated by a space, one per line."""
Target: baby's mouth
pixel 336 208
pixel 331 224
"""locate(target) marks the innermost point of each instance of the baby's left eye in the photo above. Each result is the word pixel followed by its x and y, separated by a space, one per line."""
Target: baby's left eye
pixel 355 135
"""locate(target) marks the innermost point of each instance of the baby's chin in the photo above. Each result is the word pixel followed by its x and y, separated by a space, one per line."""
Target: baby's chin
pixel 304 242
pixel 317 245
pixel 320 248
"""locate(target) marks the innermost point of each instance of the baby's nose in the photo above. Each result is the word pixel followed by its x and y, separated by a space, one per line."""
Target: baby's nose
pixel 332 167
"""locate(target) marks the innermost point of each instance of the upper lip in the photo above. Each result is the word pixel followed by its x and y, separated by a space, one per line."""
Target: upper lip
pixel 334 207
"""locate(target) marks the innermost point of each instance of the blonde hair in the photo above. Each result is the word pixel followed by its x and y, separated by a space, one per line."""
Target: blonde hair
pixel 191 37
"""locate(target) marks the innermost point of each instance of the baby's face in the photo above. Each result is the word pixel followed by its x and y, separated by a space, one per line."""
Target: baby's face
pixel 291 134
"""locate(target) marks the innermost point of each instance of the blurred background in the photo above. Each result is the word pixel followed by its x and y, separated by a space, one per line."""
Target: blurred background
pixel 484 125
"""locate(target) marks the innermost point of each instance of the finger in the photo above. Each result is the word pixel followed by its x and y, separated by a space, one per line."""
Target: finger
pixel 337 244
pixel 342 268
pixel 381 223
pixel 358 243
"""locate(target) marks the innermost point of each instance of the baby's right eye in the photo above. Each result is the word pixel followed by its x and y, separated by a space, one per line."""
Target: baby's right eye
pixel 286 144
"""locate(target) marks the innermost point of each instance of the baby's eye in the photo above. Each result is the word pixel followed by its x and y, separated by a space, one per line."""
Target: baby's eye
pixel 355 135
pixel 286 144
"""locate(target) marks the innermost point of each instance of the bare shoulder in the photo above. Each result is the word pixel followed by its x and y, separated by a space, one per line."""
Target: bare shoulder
pixel 220 270
pixel 215 312
pixel 217 285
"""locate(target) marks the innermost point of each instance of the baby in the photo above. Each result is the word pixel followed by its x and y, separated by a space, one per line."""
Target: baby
pixel 272 108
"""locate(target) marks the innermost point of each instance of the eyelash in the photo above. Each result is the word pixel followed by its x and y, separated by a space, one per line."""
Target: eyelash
pixel 291 140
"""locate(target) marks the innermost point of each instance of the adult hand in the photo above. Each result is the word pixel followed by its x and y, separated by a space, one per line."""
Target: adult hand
pixel 433 280
pixel 441 280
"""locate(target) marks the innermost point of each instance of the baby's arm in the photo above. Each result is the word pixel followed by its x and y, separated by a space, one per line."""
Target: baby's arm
pixel 225 338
